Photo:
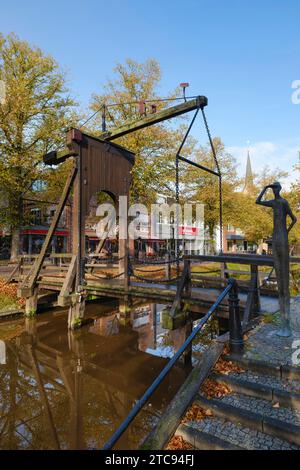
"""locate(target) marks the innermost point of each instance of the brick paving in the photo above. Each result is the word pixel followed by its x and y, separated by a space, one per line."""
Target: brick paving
pixel 262 407
pixel 270 381
pixel 264 344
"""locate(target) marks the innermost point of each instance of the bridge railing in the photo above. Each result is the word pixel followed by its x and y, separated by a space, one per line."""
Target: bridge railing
pixel 235 343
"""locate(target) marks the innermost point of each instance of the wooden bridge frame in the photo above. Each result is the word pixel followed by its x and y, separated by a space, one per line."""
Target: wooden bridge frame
pixel 98 165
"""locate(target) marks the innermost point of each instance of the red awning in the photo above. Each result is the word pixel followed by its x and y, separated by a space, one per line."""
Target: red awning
pixel 32 231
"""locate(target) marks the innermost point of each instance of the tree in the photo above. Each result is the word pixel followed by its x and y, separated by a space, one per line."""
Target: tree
pixel 36 110
pixel 155 147
pixel 255 221
pixel 203 187
pixel 293 197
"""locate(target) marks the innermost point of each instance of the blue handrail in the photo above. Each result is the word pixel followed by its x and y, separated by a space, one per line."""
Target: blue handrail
pixel 141 402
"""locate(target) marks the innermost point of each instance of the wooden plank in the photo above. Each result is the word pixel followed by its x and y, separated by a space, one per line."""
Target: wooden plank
pixel 235 259
pixel 172 416
pixel 39 261
pixel 259 260
pixel 155 118
pixel 68 282
pixel 14 271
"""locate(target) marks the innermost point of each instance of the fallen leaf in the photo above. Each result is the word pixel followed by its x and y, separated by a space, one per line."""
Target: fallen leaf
pixel 213 389
pixel 178 443
pixel 276 405
pixel 196 413
pixel 225 367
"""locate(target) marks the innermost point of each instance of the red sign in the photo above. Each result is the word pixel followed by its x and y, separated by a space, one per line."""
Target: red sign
pixel 188 230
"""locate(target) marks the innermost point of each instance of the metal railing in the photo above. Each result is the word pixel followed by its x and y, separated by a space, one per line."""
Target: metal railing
pixel 235 342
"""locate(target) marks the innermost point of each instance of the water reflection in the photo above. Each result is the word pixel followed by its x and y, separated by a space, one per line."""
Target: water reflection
pixel 70 390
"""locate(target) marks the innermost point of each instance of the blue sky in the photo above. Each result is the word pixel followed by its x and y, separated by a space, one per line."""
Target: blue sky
pixel 244 55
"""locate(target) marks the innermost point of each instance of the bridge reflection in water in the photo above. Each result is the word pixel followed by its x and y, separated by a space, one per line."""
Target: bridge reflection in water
pixel 63 389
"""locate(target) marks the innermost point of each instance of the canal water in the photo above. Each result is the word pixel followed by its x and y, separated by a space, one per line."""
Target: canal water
pixel 70 390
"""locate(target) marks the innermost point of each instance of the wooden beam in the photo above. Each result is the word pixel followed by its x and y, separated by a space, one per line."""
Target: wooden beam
pixel 30 281
pixel 155 118
pixel 68 283
pixel 181 285
pixel 54 157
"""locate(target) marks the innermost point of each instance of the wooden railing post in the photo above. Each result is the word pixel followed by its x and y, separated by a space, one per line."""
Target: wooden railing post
pixel 253 298
pixel 168 267
pixel 188 281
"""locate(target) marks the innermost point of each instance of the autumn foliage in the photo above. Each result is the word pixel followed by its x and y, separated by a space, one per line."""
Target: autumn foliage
pixel 196 413
pixel 10 291
pixel 225 367
pixel 178 443
pixel 213 389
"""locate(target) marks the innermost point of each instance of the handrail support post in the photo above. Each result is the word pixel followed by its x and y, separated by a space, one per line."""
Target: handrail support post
pixel 236 342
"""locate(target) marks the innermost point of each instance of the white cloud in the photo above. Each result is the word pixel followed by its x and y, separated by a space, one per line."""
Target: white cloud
pixel 273 154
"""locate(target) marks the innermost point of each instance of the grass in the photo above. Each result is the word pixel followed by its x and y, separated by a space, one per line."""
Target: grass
pixel 8 297
pixel 7 303
pixel 270 318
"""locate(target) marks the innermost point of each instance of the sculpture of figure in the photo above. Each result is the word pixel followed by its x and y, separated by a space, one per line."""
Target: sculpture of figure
pixel 280 248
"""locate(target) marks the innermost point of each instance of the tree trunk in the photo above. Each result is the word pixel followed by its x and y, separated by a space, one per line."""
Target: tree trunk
pixel 211 229
pixel 16 229
pixel 15 244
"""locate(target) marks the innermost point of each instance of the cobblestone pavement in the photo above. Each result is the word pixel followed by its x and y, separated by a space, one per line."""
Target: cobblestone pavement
pixel 261 406
pixel 264 344
pixel 240 435
pixel 270 381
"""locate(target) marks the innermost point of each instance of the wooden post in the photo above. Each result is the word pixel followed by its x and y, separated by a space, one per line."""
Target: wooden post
pixel 253 298
pixel 255 281
pixel 64 295
pixel 76 311
pixel 188 282
pixel 31 303
pixel 168 266
pixel 123 241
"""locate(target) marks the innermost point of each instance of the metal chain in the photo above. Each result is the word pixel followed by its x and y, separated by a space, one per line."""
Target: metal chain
pixel 220 179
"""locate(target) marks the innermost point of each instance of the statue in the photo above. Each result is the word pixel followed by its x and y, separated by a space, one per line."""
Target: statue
pixel 280 248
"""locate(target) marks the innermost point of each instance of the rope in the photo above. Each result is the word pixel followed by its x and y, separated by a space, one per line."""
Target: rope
pixel 106 260
pixel 109 277
pixel 152 271
pixel 159 262
pixel 155 281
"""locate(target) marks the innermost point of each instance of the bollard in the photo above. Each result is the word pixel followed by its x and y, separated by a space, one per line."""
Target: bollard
pixel 236 342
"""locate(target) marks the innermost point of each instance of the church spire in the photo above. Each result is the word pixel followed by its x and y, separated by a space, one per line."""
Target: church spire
pixel 249 175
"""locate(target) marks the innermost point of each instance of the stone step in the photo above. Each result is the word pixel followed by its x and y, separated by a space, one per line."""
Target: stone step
pixel 256 413
pixel 221 434
pixel 275 390
pixel 201 440
pixel 266 368
pixel 260 367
